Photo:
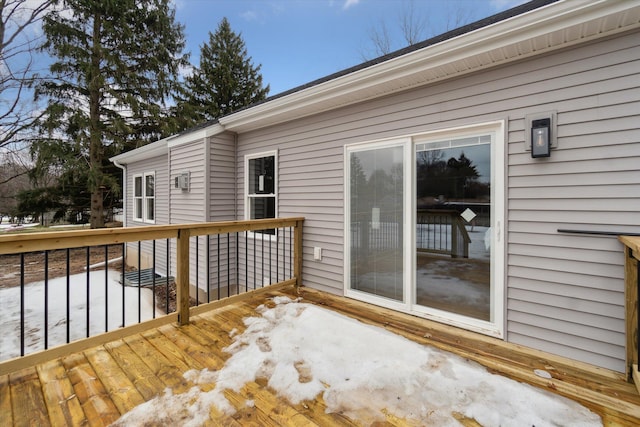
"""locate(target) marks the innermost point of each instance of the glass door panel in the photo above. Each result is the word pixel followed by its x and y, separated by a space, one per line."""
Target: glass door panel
pixel 376 213
pixel 453 226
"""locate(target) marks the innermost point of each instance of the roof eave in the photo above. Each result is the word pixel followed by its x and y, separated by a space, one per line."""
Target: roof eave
pixel 548 28
pixel 161 147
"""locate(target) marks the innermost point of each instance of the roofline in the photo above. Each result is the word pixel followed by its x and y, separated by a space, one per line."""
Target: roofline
pixel 162 146
pixel 534 28
pixel 517 10
pixel 153 149
pixel 433 60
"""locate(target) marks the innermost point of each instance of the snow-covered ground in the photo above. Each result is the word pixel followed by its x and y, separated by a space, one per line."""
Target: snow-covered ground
pixel 100 291
pixel 360 370
pixel 6 226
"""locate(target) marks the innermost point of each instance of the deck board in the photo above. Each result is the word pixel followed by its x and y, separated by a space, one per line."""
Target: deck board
pixel 6 414
pixel 62 403
pixel 98 406
pixel 96 386
pixel 123 392
pixel 161 367
pixel 27 400
pixel 142 377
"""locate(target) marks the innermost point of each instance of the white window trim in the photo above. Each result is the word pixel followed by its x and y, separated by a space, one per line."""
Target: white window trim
pixel 494 328
pixel 144 211
pixel 135 198
pixel 247 196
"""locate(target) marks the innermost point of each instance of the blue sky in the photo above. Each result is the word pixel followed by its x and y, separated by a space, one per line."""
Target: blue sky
pixel 297 41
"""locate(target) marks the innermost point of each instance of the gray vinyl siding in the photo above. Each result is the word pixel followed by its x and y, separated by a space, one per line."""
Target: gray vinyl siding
pixel 564 292
pixel 189 206
pixel 222 184
pixel 159 165
pixel 222 179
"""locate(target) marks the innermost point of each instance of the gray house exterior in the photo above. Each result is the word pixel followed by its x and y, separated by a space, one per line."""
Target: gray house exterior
pixel 474 93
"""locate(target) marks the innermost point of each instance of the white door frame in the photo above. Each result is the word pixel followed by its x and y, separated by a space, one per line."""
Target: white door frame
pixel 496 326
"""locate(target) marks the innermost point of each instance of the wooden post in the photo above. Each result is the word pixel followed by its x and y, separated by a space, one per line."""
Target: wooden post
pixel 182 276
pixel 297 256
pixel 631 284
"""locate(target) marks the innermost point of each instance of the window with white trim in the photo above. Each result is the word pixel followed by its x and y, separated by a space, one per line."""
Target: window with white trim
pixel 144 201
pixel 261 186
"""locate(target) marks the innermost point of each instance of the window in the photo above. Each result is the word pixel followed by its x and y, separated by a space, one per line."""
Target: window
pixel 261 186
pixel 144 190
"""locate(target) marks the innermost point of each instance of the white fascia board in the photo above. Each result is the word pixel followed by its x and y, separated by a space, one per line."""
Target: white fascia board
pixel 148 151
pixel 162 146
pixel 416 66
pixel 197 135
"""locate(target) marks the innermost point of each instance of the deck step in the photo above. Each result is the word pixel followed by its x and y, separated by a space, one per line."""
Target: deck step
pixel 146 278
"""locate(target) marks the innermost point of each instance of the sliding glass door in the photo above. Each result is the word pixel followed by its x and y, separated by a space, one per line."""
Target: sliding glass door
pixel 376 217
pixel 453 225
pixel 423 225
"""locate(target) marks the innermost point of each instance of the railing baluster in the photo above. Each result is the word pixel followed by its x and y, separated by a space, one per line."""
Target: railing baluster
pixel 46 300
pixel 254 262
pixel 68 295
pixel 153 280
pixel 209 268
pixel 197 270
pixel 246 262
pixel 218 263
pixel 139 291
pixel 270 261
pixel 106 290
pixel 87 280
pixel 22 304
pixel 166 307
pixel 139 283
pixel 262 258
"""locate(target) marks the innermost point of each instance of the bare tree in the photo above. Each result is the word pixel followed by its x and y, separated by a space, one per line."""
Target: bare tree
pixel 18 19
pixel 416 26
pixel 380 40
pixel 14 178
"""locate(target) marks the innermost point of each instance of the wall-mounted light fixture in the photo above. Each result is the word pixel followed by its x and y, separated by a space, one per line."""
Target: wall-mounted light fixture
pixel 541 138
pixel 541 133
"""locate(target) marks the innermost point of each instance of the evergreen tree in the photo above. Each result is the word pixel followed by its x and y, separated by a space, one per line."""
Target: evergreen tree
pixel 116 66
pixel 225 81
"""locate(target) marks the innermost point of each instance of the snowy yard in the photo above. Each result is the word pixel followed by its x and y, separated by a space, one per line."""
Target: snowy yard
pixel 361 371
pixel 102 289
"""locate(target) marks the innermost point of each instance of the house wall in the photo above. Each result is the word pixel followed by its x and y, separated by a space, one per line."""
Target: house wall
pixel 189 206
pixel 564 292
pixel 159 166
pixel 222 155
pixel 222 184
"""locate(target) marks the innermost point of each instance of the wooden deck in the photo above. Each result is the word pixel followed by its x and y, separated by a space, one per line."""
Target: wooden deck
pixel 95 386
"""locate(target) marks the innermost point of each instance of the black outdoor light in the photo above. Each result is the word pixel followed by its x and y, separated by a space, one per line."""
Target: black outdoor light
pixel 541 138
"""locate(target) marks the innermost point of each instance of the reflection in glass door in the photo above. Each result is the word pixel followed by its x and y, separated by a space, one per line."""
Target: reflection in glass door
pixel 453 225
pixel 375 221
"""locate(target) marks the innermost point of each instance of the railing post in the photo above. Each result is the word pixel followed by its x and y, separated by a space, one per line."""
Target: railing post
pixel 297 257
pixel 454 235
pixel 182 276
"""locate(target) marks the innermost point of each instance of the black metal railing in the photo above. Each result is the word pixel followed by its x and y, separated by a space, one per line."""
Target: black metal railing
pixel 442 232
pixel 60 294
